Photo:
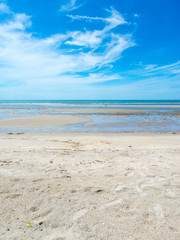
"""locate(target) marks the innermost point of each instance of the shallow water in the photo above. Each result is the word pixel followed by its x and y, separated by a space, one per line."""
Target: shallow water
pixel 151 121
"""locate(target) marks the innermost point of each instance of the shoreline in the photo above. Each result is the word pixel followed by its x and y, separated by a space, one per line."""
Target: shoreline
pixel 104 106
pixel 89 120
pixel 60 134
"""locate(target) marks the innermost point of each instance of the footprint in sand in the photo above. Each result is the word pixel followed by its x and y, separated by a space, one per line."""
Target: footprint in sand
pixel 46 213
pixel 17 180
pixel 108 176
pixel 111 203
pixel 129 174
pixel 33 209
pixel 144 183
pixel 15 195
pixel 158 211
pixel 88 189
pixel 80 214
pixel 59 238
pixel 62 234
pixel 170 194
pixel 140 191
pixel 120 188
pixel 37 180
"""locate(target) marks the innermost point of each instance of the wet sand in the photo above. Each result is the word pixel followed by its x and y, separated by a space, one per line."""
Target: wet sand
pixel 42 121
pixel 113 110
pixel 89 120
pixel 90 186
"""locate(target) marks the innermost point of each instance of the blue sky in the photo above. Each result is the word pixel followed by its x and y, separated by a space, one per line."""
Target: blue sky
pixel 89 49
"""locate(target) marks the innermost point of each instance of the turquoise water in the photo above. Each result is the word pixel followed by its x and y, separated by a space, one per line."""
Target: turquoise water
pixel 82 103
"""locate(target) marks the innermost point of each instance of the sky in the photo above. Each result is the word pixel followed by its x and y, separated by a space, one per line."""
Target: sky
pixel 89 49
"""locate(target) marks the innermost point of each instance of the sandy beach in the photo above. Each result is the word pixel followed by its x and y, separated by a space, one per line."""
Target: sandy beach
pixel 89 120
pixel 90 186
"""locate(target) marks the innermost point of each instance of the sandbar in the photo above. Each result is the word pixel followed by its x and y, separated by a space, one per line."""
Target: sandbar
pixel 42 121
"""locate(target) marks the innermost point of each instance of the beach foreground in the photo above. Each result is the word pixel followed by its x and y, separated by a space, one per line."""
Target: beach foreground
pixel 90 186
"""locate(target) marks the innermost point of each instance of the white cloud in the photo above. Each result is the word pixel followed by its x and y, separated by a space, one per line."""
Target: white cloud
pixel 136 15
pixel 4 8
pixel 87 18
pixel 65 64
pixel 154 71
pixel 94 38
pixel 86 39
pixel 71 5
pixel 114 20
pixel 32 58
pixel 111 22
pixel 117 46
pixel 170 67
pixel 19 22
pixel 70 58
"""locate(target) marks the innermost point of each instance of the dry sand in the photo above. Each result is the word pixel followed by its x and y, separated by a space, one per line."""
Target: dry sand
pixel 42 121
pixel 90 186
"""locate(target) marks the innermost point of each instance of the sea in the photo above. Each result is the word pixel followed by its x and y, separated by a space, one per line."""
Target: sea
pixel 82 103
pixel 160 115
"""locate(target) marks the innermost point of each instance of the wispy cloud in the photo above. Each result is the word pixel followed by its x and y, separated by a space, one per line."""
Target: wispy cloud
pixel 162 83
pixel 94 38
pixel 72 61
pixel 136 15
pixel 71 5
pixel 111 22
pixel 4 8
pixel 89 39
pixel 150 70
pixel 25 59
pixel 167 68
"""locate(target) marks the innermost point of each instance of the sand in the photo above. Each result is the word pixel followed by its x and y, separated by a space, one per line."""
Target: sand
pixel 42 121
pixel 90 186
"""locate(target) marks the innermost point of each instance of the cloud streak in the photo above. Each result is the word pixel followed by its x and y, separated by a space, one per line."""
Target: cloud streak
pixel 4 8
pixel 115 19
pixel 94 38
pixel 70 6
pixel 25 59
